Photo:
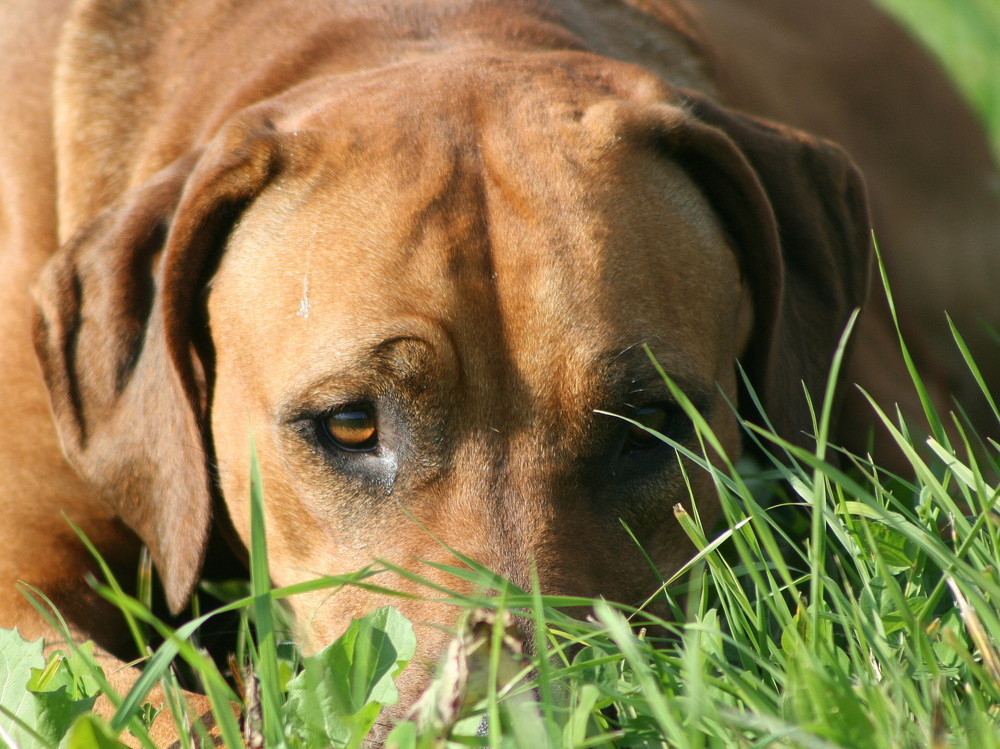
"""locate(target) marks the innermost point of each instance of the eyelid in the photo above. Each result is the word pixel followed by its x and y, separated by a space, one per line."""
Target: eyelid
pixel 319 402
pixel 643 397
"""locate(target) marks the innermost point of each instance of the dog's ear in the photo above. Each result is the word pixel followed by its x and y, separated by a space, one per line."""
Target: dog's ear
pixel 796 210
pixel 114 310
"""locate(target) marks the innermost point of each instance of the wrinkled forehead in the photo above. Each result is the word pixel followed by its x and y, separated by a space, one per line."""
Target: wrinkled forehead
pixel 528 224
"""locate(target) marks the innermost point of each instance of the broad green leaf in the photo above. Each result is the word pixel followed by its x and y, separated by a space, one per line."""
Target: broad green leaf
pixel 17 658
pixel 67 670
pixel 56 712
pixel 896 550
pixel 90 732
pixel 38 701
pixel 403 736
pixel 342 689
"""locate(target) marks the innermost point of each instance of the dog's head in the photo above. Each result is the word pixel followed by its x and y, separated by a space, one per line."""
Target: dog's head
pixel 417 290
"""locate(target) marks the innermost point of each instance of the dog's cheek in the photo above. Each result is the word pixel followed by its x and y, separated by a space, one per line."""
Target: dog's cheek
pixel 238 435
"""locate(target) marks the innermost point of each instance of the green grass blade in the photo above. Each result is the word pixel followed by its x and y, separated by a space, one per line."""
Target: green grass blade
pixel 264 615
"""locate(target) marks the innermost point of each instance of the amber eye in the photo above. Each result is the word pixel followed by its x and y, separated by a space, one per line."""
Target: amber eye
pixel 655 417
pixel 353 428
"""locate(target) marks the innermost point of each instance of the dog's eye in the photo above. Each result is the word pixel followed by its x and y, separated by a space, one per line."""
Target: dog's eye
pixel 656 417
pixel 353 428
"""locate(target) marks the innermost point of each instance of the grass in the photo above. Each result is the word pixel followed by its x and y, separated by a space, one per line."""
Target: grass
pixel 841 607
pixel 878 627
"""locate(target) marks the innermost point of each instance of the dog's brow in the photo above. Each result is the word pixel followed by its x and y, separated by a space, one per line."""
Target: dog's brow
pixel 631 372
pixel 386 364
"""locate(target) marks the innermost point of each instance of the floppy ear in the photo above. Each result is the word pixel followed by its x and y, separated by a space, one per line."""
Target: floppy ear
pixel 113 319
pixel 796 209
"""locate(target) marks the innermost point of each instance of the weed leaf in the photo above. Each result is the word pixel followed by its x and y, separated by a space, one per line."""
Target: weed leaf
pixel 38 700
pixel 90 732
pixel 341 690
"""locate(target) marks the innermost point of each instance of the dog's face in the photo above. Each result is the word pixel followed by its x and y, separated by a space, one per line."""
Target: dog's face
pixel 435 283
pixel 421 328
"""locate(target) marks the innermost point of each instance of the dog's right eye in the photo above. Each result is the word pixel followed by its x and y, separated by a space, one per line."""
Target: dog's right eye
pixel 353 428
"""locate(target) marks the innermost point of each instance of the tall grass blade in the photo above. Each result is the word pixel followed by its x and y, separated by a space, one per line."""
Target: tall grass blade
pixel 264 615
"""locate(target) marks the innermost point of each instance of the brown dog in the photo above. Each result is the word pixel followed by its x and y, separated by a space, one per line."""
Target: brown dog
pixel 414 246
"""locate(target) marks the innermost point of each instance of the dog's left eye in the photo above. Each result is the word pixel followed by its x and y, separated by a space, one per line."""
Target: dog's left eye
pixel 353 428
pixel 656 417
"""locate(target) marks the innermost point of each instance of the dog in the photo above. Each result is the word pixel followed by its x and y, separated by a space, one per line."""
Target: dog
pixel 417 248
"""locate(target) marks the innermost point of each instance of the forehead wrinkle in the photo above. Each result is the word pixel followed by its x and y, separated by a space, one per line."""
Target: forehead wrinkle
pixel 518 276
pixel 539 239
